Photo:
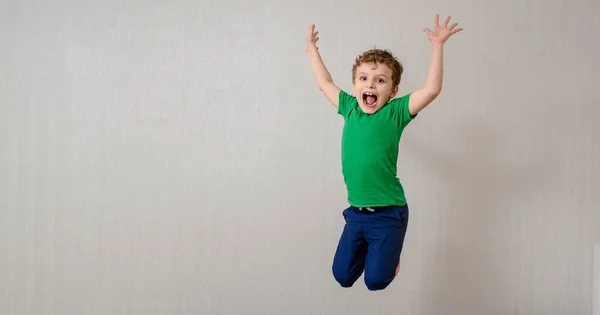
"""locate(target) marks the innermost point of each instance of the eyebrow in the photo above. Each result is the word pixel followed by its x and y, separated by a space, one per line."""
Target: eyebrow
pixel 380 74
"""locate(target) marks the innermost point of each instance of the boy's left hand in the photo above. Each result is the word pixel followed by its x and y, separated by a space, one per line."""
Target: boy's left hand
pixel 440 34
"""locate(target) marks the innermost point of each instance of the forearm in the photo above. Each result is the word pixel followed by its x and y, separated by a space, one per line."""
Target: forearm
pixel 319 70
pixel 433 84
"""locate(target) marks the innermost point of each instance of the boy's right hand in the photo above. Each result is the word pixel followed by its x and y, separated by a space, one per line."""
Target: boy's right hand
pixel 312 38
pixel 324 80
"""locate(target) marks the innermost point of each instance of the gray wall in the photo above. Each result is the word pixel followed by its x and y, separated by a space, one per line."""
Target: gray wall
pixel 179 159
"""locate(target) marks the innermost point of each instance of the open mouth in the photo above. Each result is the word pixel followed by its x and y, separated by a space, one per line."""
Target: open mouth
pixel 369 98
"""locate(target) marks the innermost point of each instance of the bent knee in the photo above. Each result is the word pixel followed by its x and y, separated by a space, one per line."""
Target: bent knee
pixel 345 279
pixel 377 284
pixel 380 281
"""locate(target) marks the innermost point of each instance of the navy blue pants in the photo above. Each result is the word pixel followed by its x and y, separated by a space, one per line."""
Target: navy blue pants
pixel 371 242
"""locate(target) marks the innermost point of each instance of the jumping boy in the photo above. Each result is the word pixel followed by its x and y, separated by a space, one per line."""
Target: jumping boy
pixel 376 220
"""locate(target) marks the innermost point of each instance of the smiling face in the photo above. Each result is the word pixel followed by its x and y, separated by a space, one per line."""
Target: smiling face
pixel 373 86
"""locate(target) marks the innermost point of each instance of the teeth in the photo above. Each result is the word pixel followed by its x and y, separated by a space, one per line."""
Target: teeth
pixel 369 93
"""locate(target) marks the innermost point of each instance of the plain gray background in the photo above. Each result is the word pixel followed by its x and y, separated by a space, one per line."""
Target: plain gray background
pixel 178 158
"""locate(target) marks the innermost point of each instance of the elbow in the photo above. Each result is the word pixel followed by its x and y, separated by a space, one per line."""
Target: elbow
pixel 323 84
pixel 434 91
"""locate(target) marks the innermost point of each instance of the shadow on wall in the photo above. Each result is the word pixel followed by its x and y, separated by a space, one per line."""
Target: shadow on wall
pixel 482 179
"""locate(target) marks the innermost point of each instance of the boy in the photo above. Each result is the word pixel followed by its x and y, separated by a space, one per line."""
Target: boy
pixel 376 221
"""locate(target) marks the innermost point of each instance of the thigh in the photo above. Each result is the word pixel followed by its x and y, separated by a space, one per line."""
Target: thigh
pixel 385 237
pixel 350 254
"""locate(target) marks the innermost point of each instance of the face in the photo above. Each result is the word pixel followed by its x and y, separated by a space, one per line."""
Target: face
pixel 373 86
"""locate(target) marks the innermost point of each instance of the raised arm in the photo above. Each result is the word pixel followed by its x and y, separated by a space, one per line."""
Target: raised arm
pixel 322 76
pixel 422 97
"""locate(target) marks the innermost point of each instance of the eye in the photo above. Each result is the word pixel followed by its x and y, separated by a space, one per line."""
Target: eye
pixel 362 78
pixel 380 81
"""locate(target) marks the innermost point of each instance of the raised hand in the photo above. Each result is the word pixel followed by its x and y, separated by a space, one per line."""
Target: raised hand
pixel 440 34
pixel 312 38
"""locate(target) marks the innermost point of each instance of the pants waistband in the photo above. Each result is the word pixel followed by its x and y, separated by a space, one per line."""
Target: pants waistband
pixel 373 209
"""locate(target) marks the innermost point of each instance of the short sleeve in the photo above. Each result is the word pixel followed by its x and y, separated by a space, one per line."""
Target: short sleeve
pixel 345 103
pixel 402 112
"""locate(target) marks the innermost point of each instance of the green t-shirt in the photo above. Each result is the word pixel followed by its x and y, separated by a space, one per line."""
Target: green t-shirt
pixel 370 151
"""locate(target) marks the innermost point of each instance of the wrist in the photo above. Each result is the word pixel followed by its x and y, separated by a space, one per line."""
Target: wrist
pixel 311 48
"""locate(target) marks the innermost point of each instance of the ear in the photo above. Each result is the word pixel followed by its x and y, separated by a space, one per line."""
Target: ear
pixel 394 92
